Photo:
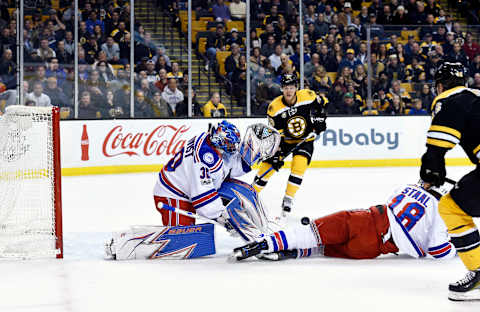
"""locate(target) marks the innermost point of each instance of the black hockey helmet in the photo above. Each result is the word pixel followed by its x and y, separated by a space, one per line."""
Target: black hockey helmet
pixel 451 75
pixel 289 79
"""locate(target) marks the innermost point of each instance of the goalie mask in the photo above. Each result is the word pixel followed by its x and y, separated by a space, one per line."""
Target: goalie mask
pixel 259 143
pixel 225 137
pixel 245 210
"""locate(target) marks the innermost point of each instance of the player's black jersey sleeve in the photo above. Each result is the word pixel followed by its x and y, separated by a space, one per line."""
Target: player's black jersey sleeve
pixel 456 120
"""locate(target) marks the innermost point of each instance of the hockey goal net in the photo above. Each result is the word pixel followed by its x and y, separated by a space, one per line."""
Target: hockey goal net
pixel 30 183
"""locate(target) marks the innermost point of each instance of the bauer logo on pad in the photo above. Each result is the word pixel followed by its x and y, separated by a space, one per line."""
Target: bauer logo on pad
pixel 185 242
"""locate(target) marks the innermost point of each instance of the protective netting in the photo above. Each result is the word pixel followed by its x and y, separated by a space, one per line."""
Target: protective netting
pixel 27 191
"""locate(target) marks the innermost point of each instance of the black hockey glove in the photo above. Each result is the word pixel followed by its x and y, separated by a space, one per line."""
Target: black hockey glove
pixel 319 124
pixel 433 166
pixel 276 160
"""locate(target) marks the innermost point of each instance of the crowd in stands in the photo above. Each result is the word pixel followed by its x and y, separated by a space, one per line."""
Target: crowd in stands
pixel 103 63
pixel 409 38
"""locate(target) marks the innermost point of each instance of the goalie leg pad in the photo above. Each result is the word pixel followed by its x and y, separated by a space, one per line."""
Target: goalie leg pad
pixel 177 242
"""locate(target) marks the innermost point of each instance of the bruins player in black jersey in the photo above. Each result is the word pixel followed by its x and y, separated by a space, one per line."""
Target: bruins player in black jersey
pixel 456 120
pixel 295 114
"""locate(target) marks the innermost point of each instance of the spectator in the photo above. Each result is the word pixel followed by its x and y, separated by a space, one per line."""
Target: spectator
pixel 86 109
pixel 231 62
pixel 348 107
pixel 106 74
pixel 111 109
pixel 426 96
pixel 91 48
pixel 8 70
pixel 145 49
pixel 40 75
pixel 160 52
pixel 377 67
pixel 476 81
pixel 327 60
pixel 214 108
pixel 397 90
pixel 349 61
pixel 56 95
pixel 221 12
pixel 475 66
pixel 175 73
pixel 122 101
pixel 63 56
pixel 162 81
pixel 275 60
pixel 239 82
pixel 238 10
pixel 112 50
pixel 417 108
pixel 320 82
pixel 258 9
pixel 457 55
pixel 143 109
pixel 321 25
pixel 172 96
pixel 152 74
pixel 255 41
pixel 309 68
pixel 54 70
pixel 470 47
pixel 119 34
pixel 44 51
pixel 395 70
pixel 92 21
pixel 215 42
pixel 37 96
pixel 375 29
pixel 397 107
pixel 269 47
pixel 273 17
pixel 160 107
pixel 269 31
pixel 234 38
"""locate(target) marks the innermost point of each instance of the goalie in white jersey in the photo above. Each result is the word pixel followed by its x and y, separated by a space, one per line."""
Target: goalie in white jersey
pixel 409 224
pixel 190 180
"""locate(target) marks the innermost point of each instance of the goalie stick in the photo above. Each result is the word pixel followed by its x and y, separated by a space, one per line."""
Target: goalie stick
pixel 310 136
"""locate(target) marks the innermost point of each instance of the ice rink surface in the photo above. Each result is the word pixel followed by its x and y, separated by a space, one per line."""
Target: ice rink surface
pixel 93 206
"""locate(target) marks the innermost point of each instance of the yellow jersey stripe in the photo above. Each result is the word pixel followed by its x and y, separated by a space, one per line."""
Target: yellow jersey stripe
pixel 476 149
pixel 440 143
pixel 446 94
pixel 445 129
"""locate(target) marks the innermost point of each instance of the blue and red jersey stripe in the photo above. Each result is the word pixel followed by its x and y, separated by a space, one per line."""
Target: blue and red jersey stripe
pixel 440 251
pixel 169 185
pixel 204 198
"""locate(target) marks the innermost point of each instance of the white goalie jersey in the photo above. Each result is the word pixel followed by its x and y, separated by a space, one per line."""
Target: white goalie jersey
pixel 195 174
pixel 416 225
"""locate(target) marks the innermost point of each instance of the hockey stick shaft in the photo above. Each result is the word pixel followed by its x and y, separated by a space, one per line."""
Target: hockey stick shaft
pixel 452 182
pixel 187 213
pixel 295 148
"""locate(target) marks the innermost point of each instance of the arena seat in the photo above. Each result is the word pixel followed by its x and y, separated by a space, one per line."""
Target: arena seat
pixel 221 57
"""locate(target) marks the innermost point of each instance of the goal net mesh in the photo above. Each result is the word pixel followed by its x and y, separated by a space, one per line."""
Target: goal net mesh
pixel 27 190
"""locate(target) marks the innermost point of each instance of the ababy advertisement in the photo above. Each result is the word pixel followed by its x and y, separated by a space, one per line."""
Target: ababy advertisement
pixel 115 146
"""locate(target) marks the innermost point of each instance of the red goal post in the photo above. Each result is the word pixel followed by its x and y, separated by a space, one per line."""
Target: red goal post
pixel 30 183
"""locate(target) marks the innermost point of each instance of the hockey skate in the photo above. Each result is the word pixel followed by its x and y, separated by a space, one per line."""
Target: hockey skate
pixel 466 289
pixel 287 205
pixel 249 250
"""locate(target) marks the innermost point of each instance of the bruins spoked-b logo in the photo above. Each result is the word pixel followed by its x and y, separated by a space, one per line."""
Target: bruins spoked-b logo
pixel 296 126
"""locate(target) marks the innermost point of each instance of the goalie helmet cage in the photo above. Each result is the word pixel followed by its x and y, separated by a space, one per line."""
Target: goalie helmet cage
pixel 30 183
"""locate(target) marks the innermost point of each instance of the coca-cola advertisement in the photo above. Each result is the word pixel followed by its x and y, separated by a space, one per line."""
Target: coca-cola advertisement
pixel 165 139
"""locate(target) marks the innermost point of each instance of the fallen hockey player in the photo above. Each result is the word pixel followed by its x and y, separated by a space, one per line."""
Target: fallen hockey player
pixel 408 224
